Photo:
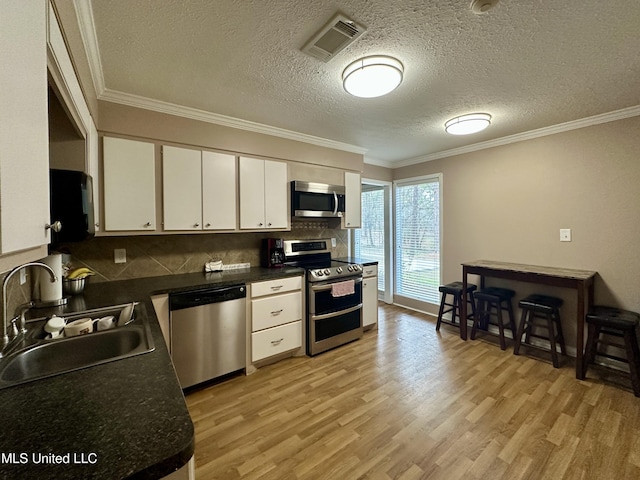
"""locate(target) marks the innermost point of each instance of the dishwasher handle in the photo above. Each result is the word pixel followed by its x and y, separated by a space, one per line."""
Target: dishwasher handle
pixel 197 298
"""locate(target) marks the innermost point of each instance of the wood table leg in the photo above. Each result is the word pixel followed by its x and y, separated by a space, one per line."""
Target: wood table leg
pixel 463 306
pixel 580 332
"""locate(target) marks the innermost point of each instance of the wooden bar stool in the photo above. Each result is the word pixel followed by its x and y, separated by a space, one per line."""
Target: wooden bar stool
pixel 489 303
pixel 454 289
pixel 617 323
pixel 541 307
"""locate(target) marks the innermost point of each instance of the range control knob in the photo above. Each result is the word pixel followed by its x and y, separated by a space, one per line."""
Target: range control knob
pixel 319 273
pixel 339 270
pixel 327 271
pixel 356 267
pixel 350 268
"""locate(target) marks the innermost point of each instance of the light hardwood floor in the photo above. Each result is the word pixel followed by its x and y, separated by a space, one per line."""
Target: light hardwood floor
pixel 408 403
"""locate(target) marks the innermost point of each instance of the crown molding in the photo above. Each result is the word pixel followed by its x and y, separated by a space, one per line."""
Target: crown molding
pixel 84 13
pixel 519 137
pixel 205 116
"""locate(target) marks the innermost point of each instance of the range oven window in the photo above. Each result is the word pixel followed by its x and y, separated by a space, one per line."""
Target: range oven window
pixel 323 302
pixel 331 327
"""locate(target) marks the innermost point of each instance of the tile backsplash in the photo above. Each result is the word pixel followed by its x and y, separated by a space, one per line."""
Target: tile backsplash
pixel 155 255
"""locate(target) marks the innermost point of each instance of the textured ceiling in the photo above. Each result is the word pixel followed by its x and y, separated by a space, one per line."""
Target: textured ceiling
pixel 529 63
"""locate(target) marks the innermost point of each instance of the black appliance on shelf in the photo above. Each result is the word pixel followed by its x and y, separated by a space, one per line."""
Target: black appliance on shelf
pixel 71 203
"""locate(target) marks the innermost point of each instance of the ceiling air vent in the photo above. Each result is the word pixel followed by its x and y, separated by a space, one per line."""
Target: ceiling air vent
pixel 333 37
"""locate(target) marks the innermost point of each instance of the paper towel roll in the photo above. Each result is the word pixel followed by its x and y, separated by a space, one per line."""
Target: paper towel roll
pixel 51 291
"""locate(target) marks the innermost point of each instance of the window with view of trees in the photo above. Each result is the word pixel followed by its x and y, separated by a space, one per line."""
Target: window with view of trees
pixel 369 239
pixel 417 238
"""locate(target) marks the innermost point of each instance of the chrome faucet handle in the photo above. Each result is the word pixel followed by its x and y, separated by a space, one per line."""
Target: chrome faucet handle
pixel 14 326
pixel 21 311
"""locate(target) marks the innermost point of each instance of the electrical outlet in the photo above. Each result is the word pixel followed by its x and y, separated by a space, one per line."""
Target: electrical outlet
pixel 333 242
pixel 120 255
pixel 565 234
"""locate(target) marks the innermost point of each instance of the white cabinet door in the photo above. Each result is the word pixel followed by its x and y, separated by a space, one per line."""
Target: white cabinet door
pixel 93 168
pixel 181 188
pixel 129 184
pixel 24 134
pixel 251 193
pixel 276 195
pixel 369 301
pixel 263 194
pixel 353 201
pixel 219 195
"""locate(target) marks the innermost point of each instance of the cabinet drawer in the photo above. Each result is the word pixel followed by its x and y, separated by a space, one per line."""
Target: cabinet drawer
pixel 272 341
pixel 369 270
pixel 280 285
pixel 276 310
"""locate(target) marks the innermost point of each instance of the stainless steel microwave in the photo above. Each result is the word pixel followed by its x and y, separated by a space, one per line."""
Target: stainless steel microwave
pixel 309 199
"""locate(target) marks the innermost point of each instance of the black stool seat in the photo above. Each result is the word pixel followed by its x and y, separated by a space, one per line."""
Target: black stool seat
pixel 503 294
pixel 455 289
pixel 540 303
pixel 613 317
pixel 541 307
pixel 619 323
pixel 490 303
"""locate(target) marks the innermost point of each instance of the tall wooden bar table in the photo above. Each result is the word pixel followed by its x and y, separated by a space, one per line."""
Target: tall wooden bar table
pixel 579 280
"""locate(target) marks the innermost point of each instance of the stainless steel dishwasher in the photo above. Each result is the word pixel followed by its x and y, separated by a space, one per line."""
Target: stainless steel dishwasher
pixel 208 333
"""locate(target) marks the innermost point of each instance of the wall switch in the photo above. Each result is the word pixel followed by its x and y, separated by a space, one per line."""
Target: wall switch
pixel 565 234
pixel 120 255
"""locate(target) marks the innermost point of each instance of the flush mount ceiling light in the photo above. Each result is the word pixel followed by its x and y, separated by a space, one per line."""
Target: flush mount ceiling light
pixel 482 6
pixel 372 76
pixel 467 124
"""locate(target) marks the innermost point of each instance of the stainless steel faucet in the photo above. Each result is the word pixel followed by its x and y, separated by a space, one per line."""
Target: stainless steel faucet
pixel 5 333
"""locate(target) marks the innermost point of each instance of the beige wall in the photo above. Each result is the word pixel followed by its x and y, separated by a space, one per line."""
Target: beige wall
pixel 374 172
pixel 508 203
pixel 138 122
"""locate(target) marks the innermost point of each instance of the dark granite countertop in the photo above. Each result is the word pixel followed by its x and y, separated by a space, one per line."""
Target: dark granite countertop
pixel 124 419
pixel 360 260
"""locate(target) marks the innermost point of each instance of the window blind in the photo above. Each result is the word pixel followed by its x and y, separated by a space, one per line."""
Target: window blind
pixel 369 239
pixel 417 233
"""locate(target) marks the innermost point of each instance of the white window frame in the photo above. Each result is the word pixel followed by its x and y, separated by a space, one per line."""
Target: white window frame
pixel 399 299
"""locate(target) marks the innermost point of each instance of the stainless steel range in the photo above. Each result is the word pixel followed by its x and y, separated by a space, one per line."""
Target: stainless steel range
pixel 334 294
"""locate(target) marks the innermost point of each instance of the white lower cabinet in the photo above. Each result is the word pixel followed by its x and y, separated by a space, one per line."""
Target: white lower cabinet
pixel 276 317
pixel 369 296
pixel 273 341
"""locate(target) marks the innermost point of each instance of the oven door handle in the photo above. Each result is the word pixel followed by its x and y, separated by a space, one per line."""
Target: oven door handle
pixel 335 314
pixel 327 286
pixel 335 200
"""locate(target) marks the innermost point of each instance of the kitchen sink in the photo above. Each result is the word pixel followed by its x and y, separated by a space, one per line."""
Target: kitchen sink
pixel 45 358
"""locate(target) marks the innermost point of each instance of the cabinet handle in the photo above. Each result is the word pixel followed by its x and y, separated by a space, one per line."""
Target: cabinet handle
pixel 269 224
pixel 97 225
pixel 208 225
pixel 148 224
pixel 260 224
pixel 55 226
pixel 276 287
pixel 277 342
pixel 196 225
pixel 277 312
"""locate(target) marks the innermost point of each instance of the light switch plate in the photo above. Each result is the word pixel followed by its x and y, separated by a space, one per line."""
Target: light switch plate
pixel 120 255
pixel 565 234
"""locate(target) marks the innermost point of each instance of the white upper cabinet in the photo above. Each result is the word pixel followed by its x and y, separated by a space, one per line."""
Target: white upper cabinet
pixel 276 211
pixel 24 136
pixel 182 188
pixel 219 192
pixel 199 189
pixel 129 184
pixel 353 201
pixel 263 194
